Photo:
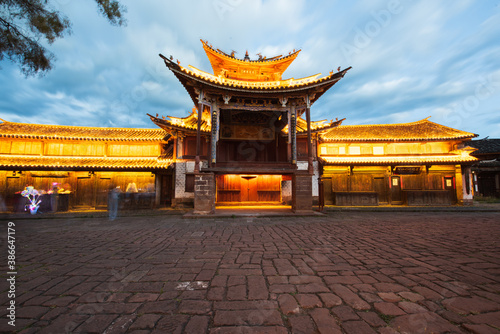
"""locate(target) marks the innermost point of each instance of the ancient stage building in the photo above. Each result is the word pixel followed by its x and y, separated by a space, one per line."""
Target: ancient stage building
pixel 419 163
pixel 251 136
pixel 85 162
pixel 249 140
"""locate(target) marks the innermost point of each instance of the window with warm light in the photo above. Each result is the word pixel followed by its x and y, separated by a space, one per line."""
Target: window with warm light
pixel 342 150
pixel 354 150
pixel 378 150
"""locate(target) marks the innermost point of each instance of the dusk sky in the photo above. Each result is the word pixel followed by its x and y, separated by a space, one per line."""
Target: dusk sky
pixel 410 60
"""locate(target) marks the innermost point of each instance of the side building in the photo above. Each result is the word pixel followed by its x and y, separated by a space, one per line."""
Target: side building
pixel 84 163
pixel 418 163
pixel 487 171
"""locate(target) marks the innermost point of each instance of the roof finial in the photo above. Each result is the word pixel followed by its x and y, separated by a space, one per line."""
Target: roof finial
pixel 246 56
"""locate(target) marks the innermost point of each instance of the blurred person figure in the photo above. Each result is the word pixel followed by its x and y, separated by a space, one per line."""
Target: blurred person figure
pixel 113 198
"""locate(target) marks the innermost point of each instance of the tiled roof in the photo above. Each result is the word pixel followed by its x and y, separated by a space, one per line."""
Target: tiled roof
pixel 264 69
pixel 42 131
pixel 417 131
pixel 316 126
pixel 485 146
pixel 23 161
pixel 183 74
pixel 191 123
pixel 406 160
pixel 266 85
pixel 271 61
pixel 184 123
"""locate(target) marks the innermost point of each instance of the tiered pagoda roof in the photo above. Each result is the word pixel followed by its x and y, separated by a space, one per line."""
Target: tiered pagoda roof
pixel 422 130
pixel 263 69
pixel 251 78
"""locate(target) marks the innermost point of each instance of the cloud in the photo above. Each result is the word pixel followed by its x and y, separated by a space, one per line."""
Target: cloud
pixel 410 60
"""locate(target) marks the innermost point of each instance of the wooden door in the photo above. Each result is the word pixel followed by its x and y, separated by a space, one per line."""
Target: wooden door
pixel 379 186
pixel 449 185
pixel 249 189
pixel 14 202
pixel 166 190
pixel 84 191
pixel 103 184
pixel 396 194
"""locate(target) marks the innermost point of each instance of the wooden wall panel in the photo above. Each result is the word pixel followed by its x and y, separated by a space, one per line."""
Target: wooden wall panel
pixel 339 182
pixel 434 181
pixel 5 146
pixel 411 182
pixel 228 188
pixel 269 188
pixel 54 149
pixel 268 182
pixel 84 191
pixel 18 147
pixel 361 182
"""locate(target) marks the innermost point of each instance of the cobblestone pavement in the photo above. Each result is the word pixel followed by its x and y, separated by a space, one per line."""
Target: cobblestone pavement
pixel 345 272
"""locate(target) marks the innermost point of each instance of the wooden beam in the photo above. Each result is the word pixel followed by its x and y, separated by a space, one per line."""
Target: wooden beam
pixel 293 132
pixel 310 167
pixel 198 137
pixel 214 112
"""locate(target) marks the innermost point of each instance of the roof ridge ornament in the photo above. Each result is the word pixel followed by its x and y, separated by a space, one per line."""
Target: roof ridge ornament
pixel 283 100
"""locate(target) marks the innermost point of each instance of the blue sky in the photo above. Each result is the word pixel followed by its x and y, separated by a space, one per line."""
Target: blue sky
pixel 410 59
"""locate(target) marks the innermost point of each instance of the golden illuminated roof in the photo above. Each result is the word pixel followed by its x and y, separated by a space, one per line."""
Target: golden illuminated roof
pixel 190 123
pixel 263 69
pixel 42 131
pixel 316 126
pixel 416 131
pixel 183 124
pixel 260 85
pixel 400 160
pixel 75 163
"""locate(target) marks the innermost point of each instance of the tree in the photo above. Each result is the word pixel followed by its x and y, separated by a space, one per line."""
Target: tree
pixel 24 23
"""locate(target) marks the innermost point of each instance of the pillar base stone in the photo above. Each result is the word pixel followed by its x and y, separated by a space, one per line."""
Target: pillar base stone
pixel 302 198
pixel 204 193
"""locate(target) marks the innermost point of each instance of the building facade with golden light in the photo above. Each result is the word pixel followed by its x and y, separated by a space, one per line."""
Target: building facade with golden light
pixel 418 163
pixel 249 140
pixel 82 163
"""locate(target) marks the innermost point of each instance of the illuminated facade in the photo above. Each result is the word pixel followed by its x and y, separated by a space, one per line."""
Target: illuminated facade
pixel 419 163
pixel 84 161
pixel 249 140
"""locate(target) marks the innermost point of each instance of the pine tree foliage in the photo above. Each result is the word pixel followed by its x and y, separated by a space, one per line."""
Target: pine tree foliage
pixel 24 24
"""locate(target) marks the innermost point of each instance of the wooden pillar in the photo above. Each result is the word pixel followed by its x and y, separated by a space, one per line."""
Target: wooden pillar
pixel 158 189
pixel 215 133
pixel 180 142
pixel 174 154
pixel 310 167
pixel 293 133
pixel 198 138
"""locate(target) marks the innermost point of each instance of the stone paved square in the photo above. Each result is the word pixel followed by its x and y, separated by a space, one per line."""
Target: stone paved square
pixel 344 272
